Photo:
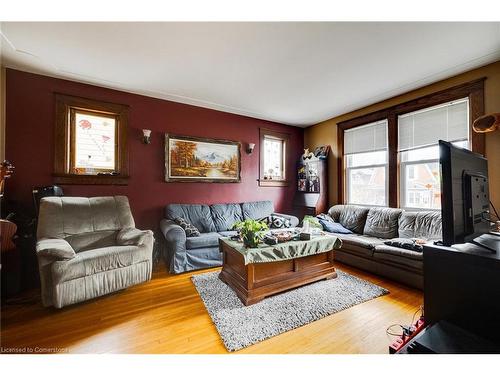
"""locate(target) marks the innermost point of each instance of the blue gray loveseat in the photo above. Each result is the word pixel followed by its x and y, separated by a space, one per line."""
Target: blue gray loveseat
pixel 213 221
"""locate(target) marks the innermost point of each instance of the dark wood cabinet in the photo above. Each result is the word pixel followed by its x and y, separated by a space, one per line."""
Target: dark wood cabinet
pixel 311 197
pixel 461 286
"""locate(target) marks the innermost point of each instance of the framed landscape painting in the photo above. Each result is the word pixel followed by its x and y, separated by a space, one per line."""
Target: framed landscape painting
pixel 191 159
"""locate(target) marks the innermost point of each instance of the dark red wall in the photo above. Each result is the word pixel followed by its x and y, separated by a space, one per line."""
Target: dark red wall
pixel 30 120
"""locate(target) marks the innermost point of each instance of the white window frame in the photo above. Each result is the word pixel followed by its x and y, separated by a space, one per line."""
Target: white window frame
pixel 347 169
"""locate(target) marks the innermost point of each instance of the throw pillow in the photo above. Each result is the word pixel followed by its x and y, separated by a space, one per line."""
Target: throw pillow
pixel 190 229
pixel 333 227
pixel 277 222
pixel 405 243
pixel 324 217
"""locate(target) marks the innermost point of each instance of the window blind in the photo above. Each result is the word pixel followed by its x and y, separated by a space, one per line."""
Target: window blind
pixel 449 122
pixel 366 138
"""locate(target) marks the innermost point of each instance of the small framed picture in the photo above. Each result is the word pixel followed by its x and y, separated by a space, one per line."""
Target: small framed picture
pixel 322 151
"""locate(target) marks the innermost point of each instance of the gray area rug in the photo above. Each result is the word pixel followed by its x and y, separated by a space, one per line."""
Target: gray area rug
pixel 240 326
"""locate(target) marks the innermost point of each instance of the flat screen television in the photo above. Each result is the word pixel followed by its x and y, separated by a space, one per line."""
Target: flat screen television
pixel 465 201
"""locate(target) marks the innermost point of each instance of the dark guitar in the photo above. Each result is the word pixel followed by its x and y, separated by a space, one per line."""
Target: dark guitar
pixel 7 228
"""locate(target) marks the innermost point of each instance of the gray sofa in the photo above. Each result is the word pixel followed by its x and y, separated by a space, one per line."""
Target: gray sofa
pixel 215 221
pixel 88 247
pixel 365 248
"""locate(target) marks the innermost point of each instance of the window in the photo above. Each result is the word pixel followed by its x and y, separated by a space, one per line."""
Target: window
pixel 94 143
pixel 90 142
pixel 273 148
pixel 273 158
pixel 365 148
pixel 410 162
pixel 419 132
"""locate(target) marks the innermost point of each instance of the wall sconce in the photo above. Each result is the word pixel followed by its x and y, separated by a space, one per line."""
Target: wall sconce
pixel 250 148
pixel 146 139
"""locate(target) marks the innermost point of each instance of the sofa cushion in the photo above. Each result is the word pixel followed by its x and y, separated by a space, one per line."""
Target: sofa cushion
pixel 421 224
pixel 335 211
pixel 356 250
pixel 382 222
pixel 359 240
pixel 61 217
pixel 197 214
pixel 257 210
pixel 203 241
pixel 350 216
pixel 225 215
pixel 405 243
pixel 391 254
pixel 98 260
pixel 358 244
pixel 92 240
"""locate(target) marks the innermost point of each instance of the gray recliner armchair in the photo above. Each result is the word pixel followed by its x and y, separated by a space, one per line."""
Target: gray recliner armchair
pixel 89 247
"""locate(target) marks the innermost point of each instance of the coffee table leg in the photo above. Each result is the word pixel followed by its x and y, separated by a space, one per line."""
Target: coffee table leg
pixel 332 276
pixel 251 301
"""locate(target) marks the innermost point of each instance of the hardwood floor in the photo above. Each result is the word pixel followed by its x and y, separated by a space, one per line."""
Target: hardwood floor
pixel 167 315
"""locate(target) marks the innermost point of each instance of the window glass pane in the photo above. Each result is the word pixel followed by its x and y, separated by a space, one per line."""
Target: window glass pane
pixel 367 158
pixel 421 184
pixel 427 153
pixel 273 158
pixel 94 143
pixel 367 186
pixel 463 144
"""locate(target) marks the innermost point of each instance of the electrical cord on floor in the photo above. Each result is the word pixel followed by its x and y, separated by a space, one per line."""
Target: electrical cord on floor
pixel 405 330
pixel 388 330
pixel 421 310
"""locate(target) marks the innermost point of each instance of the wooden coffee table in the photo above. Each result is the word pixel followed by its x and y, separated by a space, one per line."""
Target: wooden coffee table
pixel 257 273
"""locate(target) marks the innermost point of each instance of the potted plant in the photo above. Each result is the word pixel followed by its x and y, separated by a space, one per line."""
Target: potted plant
pixel 311 222
pixel 250 231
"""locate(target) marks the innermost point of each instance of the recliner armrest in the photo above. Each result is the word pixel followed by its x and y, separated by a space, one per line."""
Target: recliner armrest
pixel 56 248
pixel 132 236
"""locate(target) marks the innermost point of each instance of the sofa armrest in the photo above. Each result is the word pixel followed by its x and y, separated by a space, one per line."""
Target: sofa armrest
pixel 175 239
pixel 294 220
pixel 54 248
pixel 172 232
pixel 134 237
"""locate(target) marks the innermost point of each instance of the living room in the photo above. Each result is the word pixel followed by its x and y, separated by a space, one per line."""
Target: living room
pixel 216 192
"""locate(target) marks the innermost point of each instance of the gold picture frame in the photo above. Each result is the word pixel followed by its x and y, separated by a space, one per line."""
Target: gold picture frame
pixel 195 159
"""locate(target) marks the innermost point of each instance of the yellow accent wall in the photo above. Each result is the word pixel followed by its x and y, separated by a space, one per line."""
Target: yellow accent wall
pixel 326 131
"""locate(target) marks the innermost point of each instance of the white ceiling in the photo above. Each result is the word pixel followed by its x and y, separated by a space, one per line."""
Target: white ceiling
pixel 295 73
